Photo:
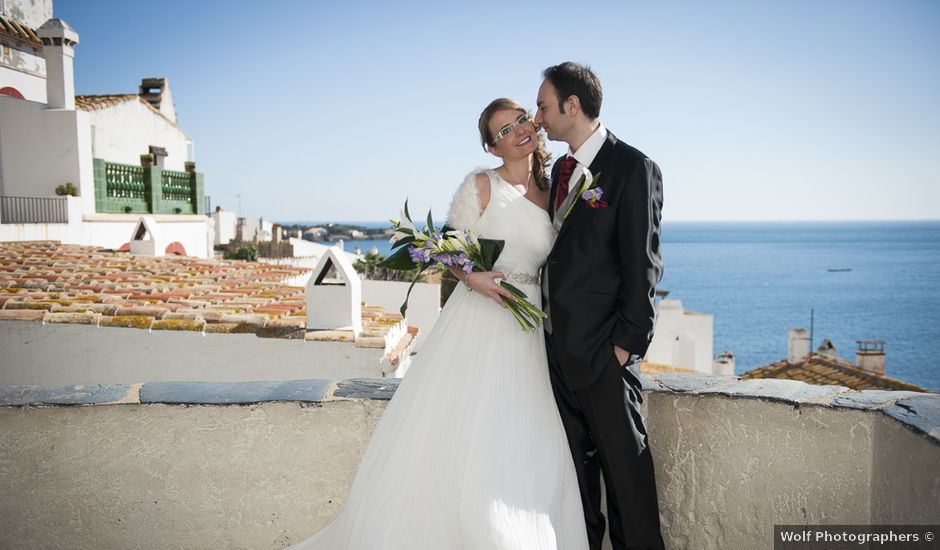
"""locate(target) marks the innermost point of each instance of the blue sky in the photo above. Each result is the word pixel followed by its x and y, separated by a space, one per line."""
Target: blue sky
pixel 804 110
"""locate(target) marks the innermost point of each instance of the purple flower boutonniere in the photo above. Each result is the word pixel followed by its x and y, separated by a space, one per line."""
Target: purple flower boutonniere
pixel 589 190
pixel 593 198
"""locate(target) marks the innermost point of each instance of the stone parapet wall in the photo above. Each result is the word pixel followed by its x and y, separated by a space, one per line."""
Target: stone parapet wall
pixel 263 465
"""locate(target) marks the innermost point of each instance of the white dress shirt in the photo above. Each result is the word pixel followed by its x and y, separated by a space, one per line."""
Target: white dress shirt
pixel 586 153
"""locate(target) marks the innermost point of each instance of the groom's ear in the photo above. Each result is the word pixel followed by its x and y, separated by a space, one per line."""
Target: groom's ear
pixel 572 105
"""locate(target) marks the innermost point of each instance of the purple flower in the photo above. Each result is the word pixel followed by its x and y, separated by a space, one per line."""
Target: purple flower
pixel 419 255
pixel 438 236
pixel 464 262
pixel 445 258
pixel 593 194
pixel 469 240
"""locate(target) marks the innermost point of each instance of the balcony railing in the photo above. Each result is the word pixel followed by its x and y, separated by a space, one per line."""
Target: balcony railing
pixel 34 210
pixel 124 188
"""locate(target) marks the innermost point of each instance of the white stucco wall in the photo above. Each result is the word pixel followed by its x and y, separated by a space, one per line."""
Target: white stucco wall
pixel 41 149
pixel 23 67
pixel 32 13
pixel 224 230
pixel 24 71
pixel 113 230
pixel 265 230
pixel 424 306
pixel 694 347
pixel 123 132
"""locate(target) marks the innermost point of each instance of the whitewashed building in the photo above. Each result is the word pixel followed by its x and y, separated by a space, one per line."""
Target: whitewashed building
pixel 684 340
pixel 22 64
pixel 84 170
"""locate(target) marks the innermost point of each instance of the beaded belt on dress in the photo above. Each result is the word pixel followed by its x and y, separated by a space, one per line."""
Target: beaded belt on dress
pixel 524 278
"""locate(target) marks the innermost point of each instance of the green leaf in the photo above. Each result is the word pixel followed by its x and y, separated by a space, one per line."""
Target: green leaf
pixel 399 260
pixel 490 249
pixel 407 214
pixel 404 241
pixel 430 227
pixel 404 306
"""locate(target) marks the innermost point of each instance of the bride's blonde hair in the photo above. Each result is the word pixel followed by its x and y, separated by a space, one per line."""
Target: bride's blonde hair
pixel 540 158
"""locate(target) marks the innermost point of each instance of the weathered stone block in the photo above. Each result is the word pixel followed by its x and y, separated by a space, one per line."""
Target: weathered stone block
pixel 126 321
pixel 367 388
pixel 179 324
pixel 233 392
pixel 87 318
pixel 22 314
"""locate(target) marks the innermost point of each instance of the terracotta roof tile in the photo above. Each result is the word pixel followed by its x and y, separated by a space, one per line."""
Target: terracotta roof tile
pixel 22 33
pixel 122 290
pixel 103 101
pixel 828 370
pixel 96 102
pixel 656 368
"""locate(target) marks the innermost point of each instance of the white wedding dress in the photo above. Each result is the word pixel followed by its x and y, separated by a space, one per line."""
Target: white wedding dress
pixel 471 454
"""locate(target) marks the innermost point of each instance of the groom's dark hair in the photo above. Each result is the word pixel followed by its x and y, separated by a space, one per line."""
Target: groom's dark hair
pixel 573 79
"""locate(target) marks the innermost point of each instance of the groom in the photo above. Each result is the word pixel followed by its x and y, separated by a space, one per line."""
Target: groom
pixel 598 283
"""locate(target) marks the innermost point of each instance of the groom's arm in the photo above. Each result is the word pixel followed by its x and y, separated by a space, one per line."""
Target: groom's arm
pixel 639 212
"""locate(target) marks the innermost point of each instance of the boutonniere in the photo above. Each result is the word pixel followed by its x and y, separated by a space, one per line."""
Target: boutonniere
pixel 589 189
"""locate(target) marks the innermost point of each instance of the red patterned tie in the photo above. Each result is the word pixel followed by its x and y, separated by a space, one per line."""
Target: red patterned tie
pixel 564 174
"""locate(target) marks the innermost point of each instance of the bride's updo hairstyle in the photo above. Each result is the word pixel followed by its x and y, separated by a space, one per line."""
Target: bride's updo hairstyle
pixel 541 157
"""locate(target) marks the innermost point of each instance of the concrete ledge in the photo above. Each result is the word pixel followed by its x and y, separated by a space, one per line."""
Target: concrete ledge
pixel 233 393
pixel 918 411
pixel 788 391
pixel 94 394
pixel 922 413
pixel 366 388
pixel 731 460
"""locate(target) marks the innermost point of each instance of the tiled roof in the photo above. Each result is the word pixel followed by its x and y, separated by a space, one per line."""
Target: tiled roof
pixel 60 283
pixel 95 102
pixel 656 368
pixel 103 101
pixel 16 31
pixel 828 370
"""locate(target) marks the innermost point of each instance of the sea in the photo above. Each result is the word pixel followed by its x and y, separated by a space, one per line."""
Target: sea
pixel 848 281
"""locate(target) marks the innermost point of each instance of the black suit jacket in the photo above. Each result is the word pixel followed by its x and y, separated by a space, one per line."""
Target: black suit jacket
pixel 605 264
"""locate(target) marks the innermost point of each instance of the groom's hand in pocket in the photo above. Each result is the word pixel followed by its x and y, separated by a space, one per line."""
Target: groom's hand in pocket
pixel 622 355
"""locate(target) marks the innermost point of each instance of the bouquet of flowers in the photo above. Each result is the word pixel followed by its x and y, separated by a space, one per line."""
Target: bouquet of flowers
pixel 422 249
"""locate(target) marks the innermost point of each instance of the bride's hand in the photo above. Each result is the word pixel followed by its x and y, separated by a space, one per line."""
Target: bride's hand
pixel 484 282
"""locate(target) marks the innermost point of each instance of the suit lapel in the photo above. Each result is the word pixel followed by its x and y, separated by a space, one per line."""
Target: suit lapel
pixel 597 165
pixel 553 188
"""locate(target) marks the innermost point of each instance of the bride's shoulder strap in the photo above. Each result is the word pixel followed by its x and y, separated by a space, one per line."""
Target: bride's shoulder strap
pixel 470 200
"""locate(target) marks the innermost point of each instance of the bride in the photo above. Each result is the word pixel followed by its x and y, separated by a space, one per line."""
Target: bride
pixel 471 454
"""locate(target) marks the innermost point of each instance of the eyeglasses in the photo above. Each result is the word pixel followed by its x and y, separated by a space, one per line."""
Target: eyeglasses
pixel 505 131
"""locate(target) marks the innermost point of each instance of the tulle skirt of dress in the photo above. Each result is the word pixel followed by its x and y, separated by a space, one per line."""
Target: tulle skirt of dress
pixel 470 454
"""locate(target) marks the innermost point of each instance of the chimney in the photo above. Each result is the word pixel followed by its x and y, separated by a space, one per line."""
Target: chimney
pixel 798 348
pixel 870 356
pixel 58 47
pixel 827 348
pixel 156 92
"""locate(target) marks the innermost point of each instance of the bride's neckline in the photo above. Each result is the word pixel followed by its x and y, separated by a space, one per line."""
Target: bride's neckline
pixel 517 185
pixel 517 192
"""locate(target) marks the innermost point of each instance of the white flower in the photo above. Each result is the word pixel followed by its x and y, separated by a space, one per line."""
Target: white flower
pixel 406 223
